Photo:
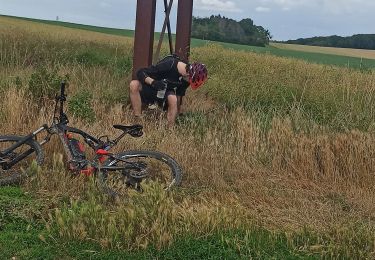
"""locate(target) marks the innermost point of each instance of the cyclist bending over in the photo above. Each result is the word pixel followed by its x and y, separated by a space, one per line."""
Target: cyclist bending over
pixel 178 75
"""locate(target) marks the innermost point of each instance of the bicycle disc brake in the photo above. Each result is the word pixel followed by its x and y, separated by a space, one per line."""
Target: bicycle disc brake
pixel 137 170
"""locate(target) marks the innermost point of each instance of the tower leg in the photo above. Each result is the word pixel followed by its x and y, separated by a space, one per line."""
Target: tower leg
pixel 144 34
pixel 183 29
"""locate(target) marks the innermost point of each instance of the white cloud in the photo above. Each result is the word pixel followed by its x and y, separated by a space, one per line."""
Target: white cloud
pixel 262 9
pixel 326 6
pixel 105 4
pixel 288 3
pixel 216 5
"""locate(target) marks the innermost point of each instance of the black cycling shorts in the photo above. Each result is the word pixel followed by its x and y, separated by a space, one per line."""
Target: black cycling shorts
pixel 148 95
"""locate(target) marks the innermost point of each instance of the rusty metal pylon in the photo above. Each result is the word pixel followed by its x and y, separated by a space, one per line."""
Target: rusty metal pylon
pixel 145 28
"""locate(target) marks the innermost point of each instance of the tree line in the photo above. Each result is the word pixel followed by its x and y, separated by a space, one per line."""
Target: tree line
pixel 222 29
pixel 357 41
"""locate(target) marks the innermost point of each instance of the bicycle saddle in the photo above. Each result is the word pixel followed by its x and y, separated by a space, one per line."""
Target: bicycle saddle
pixel 133 130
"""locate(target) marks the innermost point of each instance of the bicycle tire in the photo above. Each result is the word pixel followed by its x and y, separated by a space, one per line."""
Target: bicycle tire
pixel 175 169
pixel 14 175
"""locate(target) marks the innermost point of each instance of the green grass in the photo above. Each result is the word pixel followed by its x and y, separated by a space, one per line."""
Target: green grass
pixel 24 235
pixel 319 58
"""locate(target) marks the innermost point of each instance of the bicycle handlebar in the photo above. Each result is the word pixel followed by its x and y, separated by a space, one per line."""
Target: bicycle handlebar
pixel 59 108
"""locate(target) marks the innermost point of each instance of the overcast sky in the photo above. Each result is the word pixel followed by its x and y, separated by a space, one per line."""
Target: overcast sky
pixel 286 19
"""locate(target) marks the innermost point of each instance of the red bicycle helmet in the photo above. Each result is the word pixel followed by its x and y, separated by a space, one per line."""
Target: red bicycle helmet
pixel 197 75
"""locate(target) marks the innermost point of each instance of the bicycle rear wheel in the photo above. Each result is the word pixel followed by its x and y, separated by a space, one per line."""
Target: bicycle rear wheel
pixel 136 167
pixel 15 175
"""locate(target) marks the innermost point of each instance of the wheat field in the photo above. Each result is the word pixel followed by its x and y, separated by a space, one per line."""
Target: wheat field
pixel 366 54
pixel 278 142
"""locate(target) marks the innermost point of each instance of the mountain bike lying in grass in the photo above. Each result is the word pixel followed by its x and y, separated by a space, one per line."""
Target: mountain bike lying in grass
pixel 114 171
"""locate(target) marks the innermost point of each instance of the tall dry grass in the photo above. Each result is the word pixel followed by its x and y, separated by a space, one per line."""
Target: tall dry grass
pixel 335 97
pixel 288 143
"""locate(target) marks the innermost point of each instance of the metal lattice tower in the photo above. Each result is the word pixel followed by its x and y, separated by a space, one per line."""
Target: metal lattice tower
pixel 145 28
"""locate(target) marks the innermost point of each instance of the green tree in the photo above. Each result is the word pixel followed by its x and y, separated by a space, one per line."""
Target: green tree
pixel 220 28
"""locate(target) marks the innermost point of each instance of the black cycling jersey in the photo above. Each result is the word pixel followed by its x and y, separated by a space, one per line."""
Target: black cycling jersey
pixel 165 69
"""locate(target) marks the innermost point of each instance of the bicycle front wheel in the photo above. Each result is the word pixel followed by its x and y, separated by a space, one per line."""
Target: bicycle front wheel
pixel 14 175
pixel 135 167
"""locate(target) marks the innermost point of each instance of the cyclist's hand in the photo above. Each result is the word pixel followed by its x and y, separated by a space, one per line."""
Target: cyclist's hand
pixel 159 85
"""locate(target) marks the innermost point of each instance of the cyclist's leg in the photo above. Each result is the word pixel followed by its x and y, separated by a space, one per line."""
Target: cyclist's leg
pixel 135 97
pixel 172 108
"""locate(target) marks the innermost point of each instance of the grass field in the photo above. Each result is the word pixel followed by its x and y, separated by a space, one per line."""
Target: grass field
pixel 365 54
pixel 278 155
pixel 25 236
pixel 357 59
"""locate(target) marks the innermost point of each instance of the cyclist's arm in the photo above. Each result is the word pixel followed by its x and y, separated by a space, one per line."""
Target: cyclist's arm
pixel 148 80
pixel 148 75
